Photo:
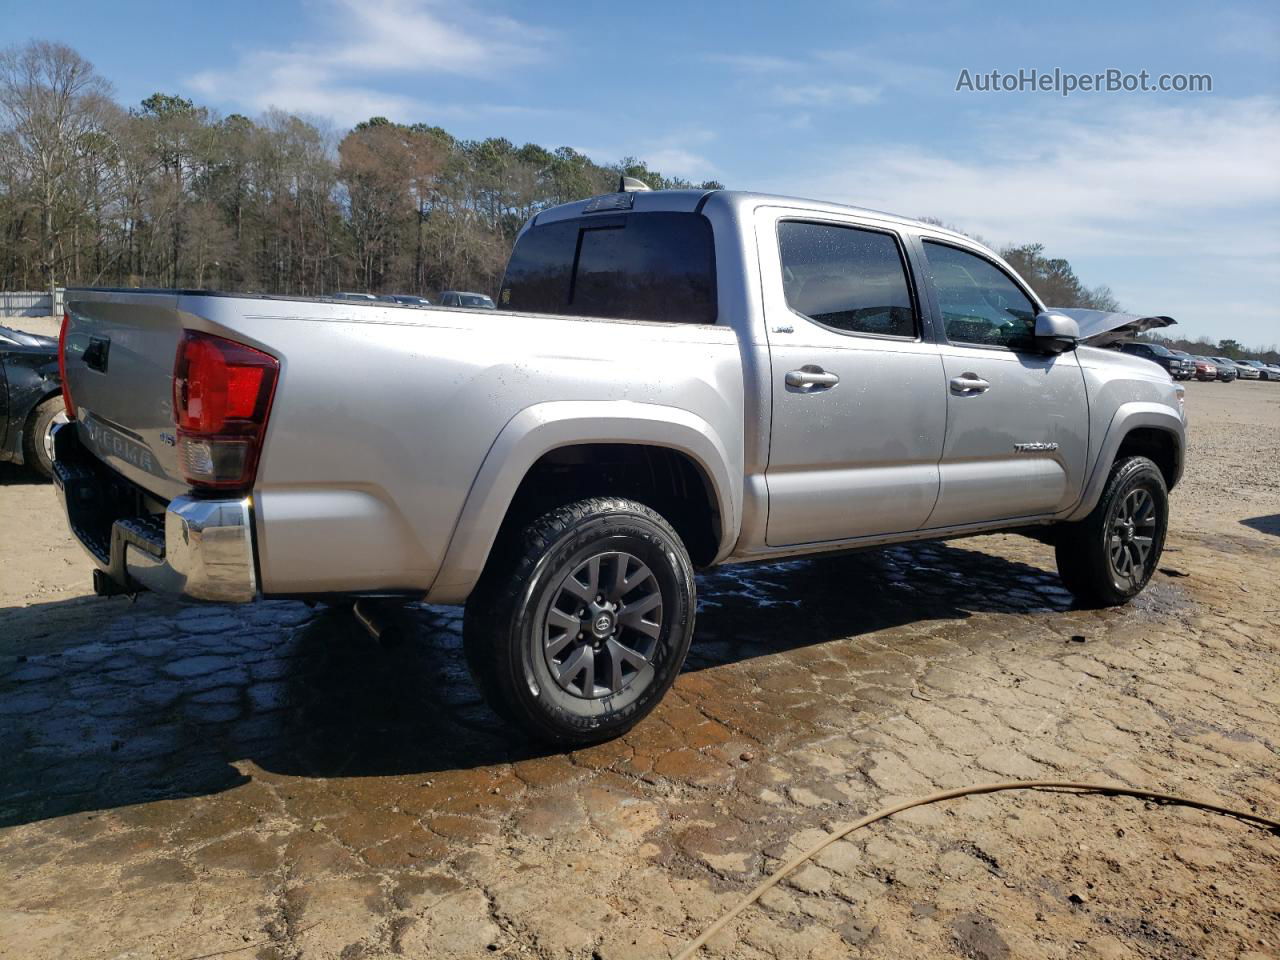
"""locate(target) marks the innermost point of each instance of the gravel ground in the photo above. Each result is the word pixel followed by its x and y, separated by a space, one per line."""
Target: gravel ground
pixel 184 781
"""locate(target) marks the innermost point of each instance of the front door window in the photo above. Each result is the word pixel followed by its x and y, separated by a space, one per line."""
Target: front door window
pixel 980 303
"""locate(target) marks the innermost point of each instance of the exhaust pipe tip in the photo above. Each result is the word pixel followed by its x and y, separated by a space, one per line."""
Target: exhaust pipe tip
pixel 368 619
pixel 377 618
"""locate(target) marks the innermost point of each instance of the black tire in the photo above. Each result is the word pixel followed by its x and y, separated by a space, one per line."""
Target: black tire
pixel 1097 559
pixel 33 447
pixel 523 666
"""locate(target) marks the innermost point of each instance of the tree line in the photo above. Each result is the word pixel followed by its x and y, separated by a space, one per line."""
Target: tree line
pixel 169 194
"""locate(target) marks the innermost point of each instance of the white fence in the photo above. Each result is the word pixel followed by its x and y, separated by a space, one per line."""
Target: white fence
pixel 29 303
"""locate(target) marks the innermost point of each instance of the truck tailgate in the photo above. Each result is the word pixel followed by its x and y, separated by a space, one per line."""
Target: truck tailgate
pixel 119 355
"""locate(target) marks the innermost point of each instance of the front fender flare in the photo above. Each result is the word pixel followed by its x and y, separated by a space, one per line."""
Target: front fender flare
pixel 544 427
pixel 1128 417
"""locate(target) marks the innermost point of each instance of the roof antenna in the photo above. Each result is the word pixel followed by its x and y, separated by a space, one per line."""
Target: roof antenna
pixel 632 185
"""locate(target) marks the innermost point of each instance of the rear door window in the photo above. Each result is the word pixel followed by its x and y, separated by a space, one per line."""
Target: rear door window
pixel 637 266
pixel 846 278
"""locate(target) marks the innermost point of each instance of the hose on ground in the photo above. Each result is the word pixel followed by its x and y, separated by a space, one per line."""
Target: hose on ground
pixel 841 832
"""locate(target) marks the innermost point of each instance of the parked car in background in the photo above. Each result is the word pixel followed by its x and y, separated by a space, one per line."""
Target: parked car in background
pixel 1205 369
pixel 358 297
pixel 1226 369
pixel 1243 370
pixel 461 298
pixel 30 399
pixel 405 299
pixel 716 377
pixel 1157 353
pixel 1265 371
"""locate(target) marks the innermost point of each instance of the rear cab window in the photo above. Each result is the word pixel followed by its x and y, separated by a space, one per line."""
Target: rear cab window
pixel 656 266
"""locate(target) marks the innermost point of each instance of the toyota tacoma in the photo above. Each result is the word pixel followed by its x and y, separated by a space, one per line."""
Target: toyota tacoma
pixel 671 380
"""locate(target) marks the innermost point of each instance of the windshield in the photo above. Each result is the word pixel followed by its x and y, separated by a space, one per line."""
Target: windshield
pixel 475 300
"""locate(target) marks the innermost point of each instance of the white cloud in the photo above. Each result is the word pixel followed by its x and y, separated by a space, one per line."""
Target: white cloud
pixel 829 78
pixel 1249 33
pixel 673 161
pixel 1176 207
pixel 676 154
pixel 753 63
pixel 1086 178
pixel 814 94
pixel 363 43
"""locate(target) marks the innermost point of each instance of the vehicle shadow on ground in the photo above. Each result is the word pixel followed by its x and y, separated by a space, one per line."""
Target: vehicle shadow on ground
pixel 1265 524
pixel 159 699
pixel 15 475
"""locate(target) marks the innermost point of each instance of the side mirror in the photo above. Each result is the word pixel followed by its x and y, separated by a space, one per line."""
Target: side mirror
pixel 1056 333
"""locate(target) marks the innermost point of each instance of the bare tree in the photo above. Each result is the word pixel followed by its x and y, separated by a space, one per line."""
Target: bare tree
pixel 52 100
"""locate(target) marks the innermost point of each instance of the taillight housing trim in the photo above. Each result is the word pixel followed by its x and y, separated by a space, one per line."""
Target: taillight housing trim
pixel 222 396
pixel 67 402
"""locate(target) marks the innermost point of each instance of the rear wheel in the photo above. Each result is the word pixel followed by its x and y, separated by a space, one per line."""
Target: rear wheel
pixel 1108 557
pixel 582 620
pixel 38 439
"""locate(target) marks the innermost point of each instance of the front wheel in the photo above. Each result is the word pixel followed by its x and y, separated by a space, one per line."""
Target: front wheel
pixel 582 620
pixel 1107 558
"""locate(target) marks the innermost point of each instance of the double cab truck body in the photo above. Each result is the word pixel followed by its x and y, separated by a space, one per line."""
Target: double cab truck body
pixel 671 380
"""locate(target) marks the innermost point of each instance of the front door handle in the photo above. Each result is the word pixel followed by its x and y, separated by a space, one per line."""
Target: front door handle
pixel 812 375
pixel 969 384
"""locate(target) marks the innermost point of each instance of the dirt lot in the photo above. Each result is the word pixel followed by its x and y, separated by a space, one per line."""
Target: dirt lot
pixel 264 782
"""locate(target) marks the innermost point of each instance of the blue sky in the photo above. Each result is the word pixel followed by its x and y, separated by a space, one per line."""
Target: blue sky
pixel 1173 199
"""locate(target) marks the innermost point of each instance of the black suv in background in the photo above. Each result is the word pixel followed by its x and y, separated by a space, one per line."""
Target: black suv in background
pixel 1177 367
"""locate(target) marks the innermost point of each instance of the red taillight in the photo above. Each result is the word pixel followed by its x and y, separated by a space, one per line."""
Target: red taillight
pixel 222 394
pixel 67 402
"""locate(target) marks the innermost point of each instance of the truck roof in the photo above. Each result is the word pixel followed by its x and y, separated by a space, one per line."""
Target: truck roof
pixel 689 201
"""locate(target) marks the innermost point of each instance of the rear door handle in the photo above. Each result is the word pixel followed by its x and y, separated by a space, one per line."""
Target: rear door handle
pixel 968 384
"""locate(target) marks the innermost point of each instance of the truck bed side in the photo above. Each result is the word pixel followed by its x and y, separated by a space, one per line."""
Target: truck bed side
pixel 383 416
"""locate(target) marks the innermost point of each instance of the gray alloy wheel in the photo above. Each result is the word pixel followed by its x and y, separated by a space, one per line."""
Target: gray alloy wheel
pixel 601 629
pixel 1132 536
pixel 1108 557
pixel 581 620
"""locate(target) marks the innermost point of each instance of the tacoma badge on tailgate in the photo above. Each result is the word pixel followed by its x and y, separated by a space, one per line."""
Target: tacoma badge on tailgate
pixel 110 442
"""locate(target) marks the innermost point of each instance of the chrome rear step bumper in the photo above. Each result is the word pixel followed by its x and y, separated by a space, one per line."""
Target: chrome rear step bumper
pixel 197 548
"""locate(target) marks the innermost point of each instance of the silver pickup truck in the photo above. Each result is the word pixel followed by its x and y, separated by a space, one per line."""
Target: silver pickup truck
pixel 672 380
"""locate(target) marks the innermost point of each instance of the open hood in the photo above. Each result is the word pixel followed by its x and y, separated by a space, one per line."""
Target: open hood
pixel 1099 328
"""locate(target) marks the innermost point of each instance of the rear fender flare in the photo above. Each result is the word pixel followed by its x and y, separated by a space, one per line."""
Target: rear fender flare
pixel 544 427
